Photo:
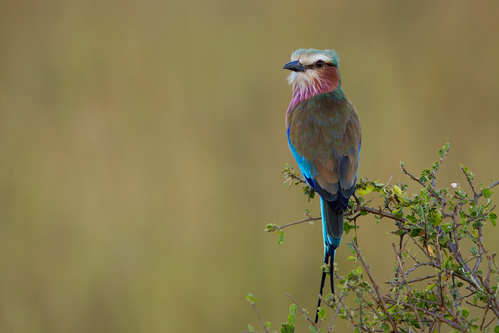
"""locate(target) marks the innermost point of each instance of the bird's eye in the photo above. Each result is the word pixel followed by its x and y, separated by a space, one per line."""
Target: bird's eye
pixel 320 63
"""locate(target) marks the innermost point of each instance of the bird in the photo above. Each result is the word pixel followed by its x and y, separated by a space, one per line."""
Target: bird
pixel 324 136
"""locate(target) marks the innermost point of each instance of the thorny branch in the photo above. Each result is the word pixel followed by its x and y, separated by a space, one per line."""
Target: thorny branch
pixel 437 221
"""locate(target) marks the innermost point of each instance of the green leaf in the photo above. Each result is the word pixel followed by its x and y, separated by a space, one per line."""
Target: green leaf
pixel 486 193
pixel 281 237
pixel 438 218
pixel 250 298
pixel 287 328
pixel 347 227
pixel 415 232
pixel 367 190
pixel 496 329
pixel 492 218
pixel 397 191
pixel 292 312
pixel 271 227
pixel 322 313
pixel 350 246
pixel 250 328
pixel 397 211
pixel 466 312
pixel 292 309
pixel 312 329
pixel 412 218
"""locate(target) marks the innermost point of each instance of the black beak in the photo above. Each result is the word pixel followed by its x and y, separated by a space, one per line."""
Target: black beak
pixel 295 66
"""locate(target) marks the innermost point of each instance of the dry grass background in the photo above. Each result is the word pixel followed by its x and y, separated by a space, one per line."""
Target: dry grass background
pixel 141 144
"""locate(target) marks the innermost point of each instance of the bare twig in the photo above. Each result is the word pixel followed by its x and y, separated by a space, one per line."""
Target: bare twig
pixel 409 294
pixel 382 213
pixel 330 327
pixel 304 312
pixel 490 322
pixel 298 222
pixel 423 278
pixel 440 318
pixel 430 190
pixel 260 317
pixel 388 182
pixel 380 299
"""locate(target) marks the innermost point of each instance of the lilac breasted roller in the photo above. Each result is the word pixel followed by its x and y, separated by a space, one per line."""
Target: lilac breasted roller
pixel 324 136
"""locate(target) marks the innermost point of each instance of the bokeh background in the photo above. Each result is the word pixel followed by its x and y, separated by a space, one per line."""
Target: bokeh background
pixel 142 143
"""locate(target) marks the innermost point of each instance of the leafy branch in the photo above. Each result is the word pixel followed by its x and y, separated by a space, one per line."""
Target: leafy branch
pixel 431 227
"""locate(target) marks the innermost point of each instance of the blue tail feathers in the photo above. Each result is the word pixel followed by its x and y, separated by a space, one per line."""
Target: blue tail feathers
pixel 332 227
pixel 332 230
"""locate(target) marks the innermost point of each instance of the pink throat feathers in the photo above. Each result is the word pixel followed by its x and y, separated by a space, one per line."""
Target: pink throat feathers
pixel 326 81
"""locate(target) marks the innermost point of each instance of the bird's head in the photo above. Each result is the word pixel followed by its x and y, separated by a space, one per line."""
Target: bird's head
pixel 314 71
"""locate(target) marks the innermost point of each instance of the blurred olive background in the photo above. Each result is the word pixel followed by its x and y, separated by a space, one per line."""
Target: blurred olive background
pixel 142 143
